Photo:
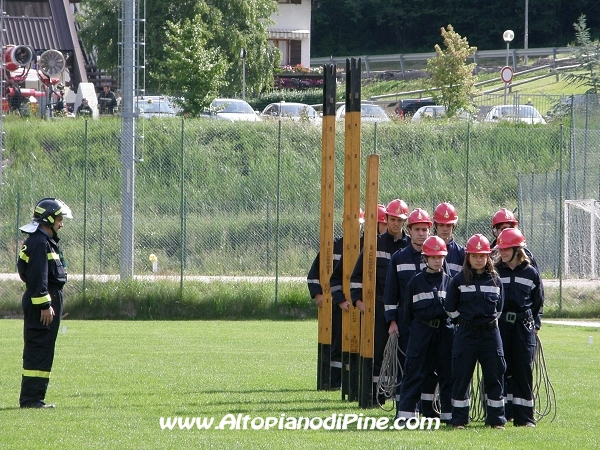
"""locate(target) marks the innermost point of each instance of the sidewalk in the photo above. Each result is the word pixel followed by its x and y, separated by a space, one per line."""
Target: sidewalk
pixel 573 323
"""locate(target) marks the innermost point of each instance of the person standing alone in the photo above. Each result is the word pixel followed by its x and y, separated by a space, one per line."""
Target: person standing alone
pixel 42 268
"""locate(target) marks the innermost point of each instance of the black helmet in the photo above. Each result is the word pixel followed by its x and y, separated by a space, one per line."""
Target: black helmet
pixel 47 209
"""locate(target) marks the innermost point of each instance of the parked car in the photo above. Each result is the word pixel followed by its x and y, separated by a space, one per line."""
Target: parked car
pixel 516 113
pixel 408 106
pixel 149 106
pixel 369 112
pixel 439 112
pixel 297 112
pixel 429 112
pixel 233 110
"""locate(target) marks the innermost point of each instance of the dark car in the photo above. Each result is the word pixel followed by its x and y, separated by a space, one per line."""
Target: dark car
pixel 408 106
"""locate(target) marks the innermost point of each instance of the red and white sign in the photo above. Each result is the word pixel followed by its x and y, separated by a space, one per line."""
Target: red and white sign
pixel 506 74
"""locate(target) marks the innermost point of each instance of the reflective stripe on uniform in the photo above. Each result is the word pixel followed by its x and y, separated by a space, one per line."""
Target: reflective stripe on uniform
pixel 445 416
pixel 427 397
pixel 53 256
pixel 522 402
pixel 495 403
pixel 454 267
pixel 390 307
pixel 36 373
pixel 491 289
pixel 460 403
pixel 422 296
pixel 525 282
pixel 406 267
pixel 23 255
pixel 313 281
pixel 337 364
pixel 463 288
pixel 355 285
pixel 453 314
pixel 41 300
pixel 384 255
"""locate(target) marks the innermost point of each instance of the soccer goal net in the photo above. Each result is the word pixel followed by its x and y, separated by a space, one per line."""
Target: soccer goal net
pixel 582 239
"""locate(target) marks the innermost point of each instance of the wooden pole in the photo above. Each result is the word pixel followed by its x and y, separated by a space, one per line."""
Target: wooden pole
pixel 327 223
pixel 351 318
pixel 369 282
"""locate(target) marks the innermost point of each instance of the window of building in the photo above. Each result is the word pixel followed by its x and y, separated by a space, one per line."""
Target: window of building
pixel 30 8
pixel 295 52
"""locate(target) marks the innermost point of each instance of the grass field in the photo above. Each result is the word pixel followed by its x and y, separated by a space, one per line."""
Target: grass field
pixel 113 380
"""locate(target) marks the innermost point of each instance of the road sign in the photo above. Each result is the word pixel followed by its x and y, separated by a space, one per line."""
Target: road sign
pixel 506 74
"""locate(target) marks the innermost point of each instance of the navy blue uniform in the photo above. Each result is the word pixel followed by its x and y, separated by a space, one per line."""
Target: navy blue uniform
pixel 386 247
pixel 455 258
pixel 476 307
pixel 429 346
pixel 41 267
pixel 524 299
pixel 314 287
pixel 403 265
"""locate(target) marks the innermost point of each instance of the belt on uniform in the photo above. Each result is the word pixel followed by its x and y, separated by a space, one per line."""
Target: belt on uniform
pixel 512 317
pixel 477 326
pixel 435 323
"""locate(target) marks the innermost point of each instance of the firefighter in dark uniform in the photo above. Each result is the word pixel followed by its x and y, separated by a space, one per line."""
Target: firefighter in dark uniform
pixel 474 299
pixel 523 303
pixel 403 265
pixel 337 304
pixel 388 243
pixel 503 219
pixel 429 346
pixel 41 266
pixel 445 219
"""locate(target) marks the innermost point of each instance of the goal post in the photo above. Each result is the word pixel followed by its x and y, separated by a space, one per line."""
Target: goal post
pixel 581 238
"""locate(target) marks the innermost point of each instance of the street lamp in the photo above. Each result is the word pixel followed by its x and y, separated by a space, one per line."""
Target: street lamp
pixel 243 57
pixel 526 28
pixel 508 36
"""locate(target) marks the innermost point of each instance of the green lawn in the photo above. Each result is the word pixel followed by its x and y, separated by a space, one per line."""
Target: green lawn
pixel 113 380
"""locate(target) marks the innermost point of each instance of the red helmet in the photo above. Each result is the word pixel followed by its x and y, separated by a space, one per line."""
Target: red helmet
pixel 504 216
pixel 361 216
pixel 419 216
pixel 445 213
pixel 434 246
pixel 510 237
pixel 397 208
pixel 381 214
pixel 478 243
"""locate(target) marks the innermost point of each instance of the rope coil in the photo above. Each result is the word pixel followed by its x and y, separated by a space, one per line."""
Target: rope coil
pixel 390 368
pixel 543 391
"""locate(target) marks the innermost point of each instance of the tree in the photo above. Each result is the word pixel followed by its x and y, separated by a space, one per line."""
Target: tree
pixel 450 73
pixel 200 70
pixel 230 25
pixel 587 54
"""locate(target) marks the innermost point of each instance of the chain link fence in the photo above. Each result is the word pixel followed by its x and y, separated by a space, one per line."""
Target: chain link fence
pixel 214 198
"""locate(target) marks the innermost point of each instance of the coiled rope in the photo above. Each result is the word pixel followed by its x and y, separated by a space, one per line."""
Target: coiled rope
pixel 390 368
pixel 478 404
pixel 543 391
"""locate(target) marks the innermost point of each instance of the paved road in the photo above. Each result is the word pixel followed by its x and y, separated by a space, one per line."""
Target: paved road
pixel 549 283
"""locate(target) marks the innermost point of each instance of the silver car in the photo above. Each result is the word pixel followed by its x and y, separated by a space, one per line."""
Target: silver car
pixel 369 112
pixel 233 110
pixel 515 113
pixel 297 112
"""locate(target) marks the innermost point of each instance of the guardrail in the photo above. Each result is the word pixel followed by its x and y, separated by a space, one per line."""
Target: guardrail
pixel 367 60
